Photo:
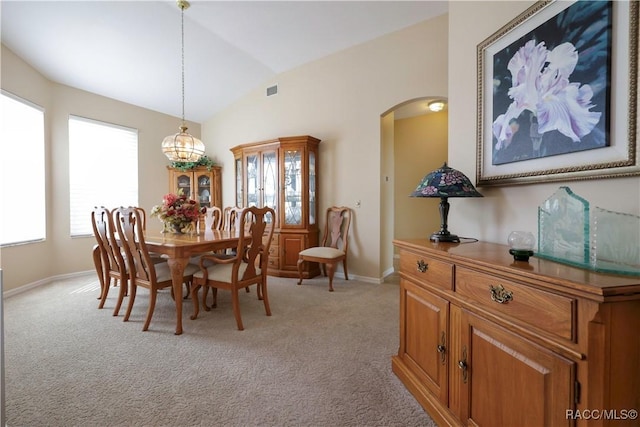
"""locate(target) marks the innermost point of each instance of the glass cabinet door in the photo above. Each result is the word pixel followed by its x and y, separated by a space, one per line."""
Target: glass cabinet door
pixel 184 185
pixel 312 187
pixel 293 187
pixel 261 179
pixel 252 180
pixel 239 186
pixel 203 189
pixel 269 180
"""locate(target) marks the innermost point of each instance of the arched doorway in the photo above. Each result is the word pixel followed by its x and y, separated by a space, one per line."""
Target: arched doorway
pixel 414 142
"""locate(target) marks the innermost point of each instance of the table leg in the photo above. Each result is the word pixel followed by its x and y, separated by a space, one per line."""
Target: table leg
pixel 176 265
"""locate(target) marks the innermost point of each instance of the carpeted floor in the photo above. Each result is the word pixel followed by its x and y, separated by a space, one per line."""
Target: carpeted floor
pixel 321 359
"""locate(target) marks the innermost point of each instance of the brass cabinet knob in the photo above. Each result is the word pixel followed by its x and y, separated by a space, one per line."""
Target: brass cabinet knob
pixel 442 349
pixel 462 364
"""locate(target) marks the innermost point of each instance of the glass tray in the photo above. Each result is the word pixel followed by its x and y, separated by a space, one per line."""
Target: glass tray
pixel 572 232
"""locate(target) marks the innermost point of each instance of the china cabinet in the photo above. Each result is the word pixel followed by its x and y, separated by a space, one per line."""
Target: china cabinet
pixel 489 341
pixel 200 183
pixel 282 173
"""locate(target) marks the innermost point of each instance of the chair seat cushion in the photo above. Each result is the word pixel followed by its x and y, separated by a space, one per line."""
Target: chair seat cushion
pixel 322 252
pixel 163 273
pixel 222 272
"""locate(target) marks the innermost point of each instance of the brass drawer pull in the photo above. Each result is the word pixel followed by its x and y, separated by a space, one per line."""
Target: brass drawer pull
pixel 422 266
pixel 500 295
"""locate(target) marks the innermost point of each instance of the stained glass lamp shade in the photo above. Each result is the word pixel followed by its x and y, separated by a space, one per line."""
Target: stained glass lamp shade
pixel 445 182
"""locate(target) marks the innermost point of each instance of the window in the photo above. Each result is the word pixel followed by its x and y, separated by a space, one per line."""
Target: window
pixel 22 184
pixel 103 170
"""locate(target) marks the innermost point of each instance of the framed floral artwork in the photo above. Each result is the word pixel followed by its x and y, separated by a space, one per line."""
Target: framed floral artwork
pixel 557 94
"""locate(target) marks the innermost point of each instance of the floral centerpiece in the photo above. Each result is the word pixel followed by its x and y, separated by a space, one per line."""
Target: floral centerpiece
pixel 177 212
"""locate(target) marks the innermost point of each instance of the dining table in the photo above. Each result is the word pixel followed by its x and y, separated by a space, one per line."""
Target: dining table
pixel 179 247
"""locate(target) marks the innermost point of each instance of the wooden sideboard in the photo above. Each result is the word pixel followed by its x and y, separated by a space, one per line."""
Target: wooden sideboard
pixel 488 341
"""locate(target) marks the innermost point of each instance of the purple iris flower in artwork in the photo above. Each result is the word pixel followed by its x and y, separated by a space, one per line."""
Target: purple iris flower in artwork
pixel 540 84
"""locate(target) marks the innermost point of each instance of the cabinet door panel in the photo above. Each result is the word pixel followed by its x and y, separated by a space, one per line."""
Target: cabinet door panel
pixel 312 188
pixel 424 327
pixel 183 183
pixel 292 245
pixel 270 180
pixel 253 183
pixel 203 188
pixel 529 385
pixel 293 184
pixel 239 183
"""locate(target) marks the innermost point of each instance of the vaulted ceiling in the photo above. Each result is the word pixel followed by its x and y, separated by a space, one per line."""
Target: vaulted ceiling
pixel 131 50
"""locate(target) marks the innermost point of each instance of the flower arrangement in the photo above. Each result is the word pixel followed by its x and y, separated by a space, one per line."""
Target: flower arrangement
pixel 177 212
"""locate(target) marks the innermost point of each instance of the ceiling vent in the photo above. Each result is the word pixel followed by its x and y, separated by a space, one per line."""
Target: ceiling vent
pixel 272 90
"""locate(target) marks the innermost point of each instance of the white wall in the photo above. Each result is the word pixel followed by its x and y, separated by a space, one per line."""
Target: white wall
pixel 340 99
pixel 60 254
pixel 503 209
pixel 387 191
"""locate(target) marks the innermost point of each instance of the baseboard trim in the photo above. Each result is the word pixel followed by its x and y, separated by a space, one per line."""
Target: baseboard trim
pixel 366 279
pixel 45 281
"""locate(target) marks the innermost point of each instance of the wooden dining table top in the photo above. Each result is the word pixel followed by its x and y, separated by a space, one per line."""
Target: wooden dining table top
pixel 186 244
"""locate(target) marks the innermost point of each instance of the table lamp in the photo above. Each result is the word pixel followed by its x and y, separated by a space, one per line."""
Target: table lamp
pixel 445 182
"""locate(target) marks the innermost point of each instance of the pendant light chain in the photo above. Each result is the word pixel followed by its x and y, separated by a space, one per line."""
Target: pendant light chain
pixel 182 15
pixel 182 147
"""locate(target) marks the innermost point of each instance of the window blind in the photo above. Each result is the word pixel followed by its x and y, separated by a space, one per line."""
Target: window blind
pixel 103 170
pixel 22 171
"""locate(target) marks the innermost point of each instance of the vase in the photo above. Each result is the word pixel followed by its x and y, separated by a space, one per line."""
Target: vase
pixel 176 227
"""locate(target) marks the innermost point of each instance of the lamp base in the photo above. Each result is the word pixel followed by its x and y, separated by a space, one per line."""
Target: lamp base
pixel 444 237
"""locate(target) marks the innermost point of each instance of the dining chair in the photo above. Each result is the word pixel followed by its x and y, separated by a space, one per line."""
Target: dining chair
pixel 247 267
pixel 99 252
pixel 335 244
pixel 143 216
pixel 113 265
pixel 230 218
pixel 212 218
pixel 142 270
pixel 155 257
pixel 98 263
pixel 230 214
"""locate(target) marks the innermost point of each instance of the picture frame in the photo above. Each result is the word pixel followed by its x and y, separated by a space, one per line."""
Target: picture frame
pixel 613 150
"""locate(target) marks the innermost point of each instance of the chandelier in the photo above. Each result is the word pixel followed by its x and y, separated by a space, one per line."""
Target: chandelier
pixel 182 147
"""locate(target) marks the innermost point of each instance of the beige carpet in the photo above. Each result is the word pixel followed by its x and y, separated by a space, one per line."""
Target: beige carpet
pixel 322 359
